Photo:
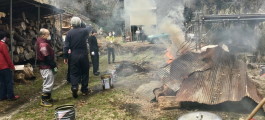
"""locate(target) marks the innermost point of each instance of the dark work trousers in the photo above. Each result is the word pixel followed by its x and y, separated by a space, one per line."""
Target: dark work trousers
pixel 79 70
pixel 95 62
pixel 6 84
pixel 111 52
pixel 68 70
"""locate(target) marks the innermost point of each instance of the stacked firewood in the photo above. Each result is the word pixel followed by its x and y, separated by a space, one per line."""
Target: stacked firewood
pixel 25 33
pixel 24 73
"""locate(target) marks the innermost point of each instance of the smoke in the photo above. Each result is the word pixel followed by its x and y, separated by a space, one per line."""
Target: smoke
pixel 160 17
pixel 262 7
pixel 142 12
pixel 74 5
pixel 173 24
pixel 239 38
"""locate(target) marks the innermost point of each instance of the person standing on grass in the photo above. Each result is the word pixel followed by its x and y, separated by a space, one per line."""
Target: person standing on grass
pixel 6 65
pixel 47 66
pixel 110 47
pixel 76 41
pixel 94 52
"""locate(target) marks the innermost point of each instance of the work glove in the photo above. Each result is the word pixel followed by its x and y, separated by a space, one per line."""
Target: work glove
pixel 55 70
pixel 92 53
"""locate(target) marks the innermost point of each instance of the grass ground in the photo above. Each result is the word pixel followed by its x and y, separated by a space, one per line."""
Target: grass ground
pixel 30 90
pixel 100 105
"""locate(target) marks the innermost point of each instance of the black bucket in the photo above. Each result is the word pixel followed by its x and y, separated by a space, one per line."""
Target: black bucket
pixel 65 112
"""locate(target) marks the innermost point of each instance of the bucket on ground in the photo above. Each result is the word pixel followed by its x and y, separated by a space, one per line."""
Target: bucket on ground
pixel 107 81
pixel 65 112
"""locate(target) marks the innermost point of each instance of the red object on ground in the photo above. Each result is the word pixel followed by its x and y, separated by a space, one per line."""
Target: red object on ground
pixel 14 98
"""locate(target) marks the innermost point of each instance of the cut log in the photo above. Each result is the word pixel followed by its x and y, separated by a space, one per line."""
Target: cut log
pixel 15 58
pixel 19 37
pixel 27 55
pixel 23 25
pixel 24 15
pixel 21 57
pixel 25 34
pixel 26 70
pixel 32 33
pixel 20 76
pixel 13 48
pixel 20 44
pixel 19 50
pixel 3 27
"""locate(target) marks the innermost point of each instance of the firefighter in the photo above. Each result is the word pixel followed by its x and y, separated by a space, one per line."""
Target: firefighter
pixel 47 66
pixel 76 41
pixel 94 52
pixel 110 47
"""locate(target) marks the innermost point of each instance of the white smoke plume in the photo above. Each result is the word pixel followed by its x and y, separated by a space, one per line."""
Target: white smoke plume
pixel 173 24
pixel 141 12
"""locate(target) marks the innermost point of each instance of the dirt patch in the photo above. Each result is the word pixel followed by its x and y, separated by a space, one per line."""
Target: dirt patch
pixel 126 68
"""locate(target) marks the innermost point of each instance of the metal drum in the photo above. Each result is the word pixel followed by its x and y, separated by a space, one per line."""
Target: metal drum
pixel 200 115
pixel 65 112
pixel 107 82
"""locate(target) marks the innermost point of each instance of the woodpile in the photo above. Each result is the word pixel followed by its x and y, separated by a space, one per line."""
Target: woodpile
pixel 25 33
pixel 24 73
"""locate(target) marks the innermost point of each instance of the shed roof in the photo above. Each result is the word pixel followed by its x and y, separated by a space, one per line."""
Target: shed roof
pixel 29 6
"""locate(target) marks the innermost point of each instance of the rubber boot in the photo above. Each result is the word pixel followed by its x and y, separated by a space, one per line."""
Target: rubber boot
pixel 74 92
pixel 45 100
pixel 50 97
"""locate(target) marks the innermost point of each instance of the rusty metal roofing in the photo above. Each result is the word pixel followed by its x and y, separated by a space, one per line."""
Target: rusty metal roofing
pixel 218 85
pixel 224 81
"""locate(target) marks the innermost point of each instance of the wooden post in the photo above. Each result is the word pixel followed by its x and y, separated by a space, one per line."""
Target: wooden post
pixel 262 102
pixel 36 55
pixel 61 31
pixel 11 30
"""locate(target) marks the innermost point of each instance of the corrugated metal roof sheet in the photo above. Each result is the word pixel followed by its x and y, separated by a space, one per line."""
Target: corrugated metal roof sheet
pixel 226 80
pixel 218 85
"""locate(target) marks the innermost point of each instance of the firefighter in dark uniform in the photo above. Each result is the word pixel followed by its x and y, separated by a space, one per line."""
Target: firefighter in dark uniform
pixel 76 40
pixel 94 52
